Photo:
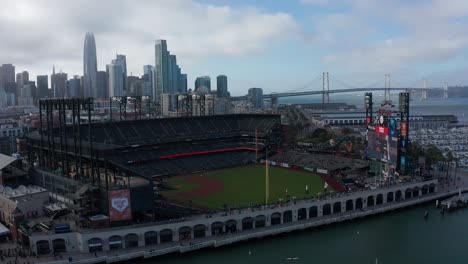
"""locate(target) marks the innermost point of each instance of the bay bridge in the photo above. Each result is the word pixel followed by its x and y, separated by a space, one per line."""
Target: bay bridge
pixel 326 91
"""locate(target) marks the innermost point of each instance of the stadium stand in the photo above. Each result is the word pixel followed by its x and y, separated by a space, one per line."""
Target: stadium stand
pixel 155 131
pixel 171 146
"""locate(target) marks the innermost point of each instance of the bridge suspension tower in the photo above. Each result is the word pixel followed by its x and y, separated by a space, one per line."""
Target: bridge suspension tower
pixel 326 89
pixel 387 88
pixel 424 91
pixel 445 96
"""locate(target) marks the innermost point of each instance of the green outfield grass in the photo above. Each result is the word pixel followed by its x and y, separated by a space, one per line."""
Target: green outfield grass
pixel 244 186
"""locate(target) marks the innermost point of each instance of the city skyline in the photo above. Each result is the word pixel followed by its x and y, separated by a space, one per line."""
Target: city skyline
pixel 242 38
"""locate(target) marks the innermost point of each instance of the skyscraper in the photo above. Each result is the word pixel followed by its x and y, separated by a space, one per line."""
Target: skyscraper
pixel 102 83
pixel 167 73
pixel 7 74
pixel 74 87
pixel 21 79
pixel 117 72
pixel 59 84
pixel 122 61
pixel 90 67
pixel 183 83
pixel 115 80
pixel 222 86
pixel 203 81
pixel 28 94
pixel 161 67
pixel 148 72
pixel 255 96
pixel 174 72
pixel 42 86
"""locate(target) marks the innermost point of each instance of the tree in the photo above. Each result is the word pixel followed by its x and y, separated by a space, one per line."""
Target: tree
pixel 347 131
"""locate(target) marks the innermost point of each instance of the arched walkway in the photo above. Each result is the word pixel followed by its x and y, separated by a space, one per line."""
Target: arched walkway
pixel 115 242
pixel 370 201
pixel 416 192
pixel 166 235
pixel 131 240
pixel 389 197
pixel 260 221
pixel 95 244
pixel 359 203
pixel 217 228
pixel 287 216
pixel 425 190
pixel 275 219
pixel 432 188
pixel 398 195
pixel 247 223
pixel 58 245
pixel 313 212
pixel 151 238
pixel 231 226
pixel 43 247
pixel 326 209
pixel 199 231
pixel 379 199
pixel 302 214
pixel 185 233
pixel 337 207
pixel 349 205
pixel 408 193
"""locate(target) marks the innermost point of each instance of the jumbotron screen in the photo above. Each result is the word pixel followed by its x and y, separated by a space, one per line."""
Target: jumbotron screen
pixel 382 146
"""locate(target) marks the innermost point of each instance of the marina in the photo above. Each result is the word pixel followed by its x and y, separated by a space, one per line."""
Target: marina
pixel 453 140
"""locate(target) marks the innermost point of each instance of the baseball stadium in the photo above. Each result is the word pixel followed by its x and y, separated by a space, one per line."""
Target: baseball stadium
pixel 170 167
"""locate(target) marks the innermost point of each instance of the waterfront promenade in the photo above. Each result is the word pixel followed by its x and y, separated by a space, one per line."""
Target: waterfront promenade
pixel 220 240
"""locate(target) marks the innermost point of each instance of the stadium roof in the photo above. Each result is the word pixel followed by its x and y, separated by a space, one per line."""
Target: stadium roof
pixel 5 160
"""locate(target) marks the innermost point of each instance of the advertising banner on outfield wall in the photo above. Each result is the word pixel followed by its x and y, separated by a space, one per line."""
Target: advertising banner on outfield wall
pixel 322 171
pixel 120 208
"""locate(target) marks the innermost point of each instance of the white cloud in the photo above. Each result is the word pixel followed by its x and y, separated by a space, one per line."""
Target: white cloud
pixel 316 2
pixel 37 34
pixel 394 36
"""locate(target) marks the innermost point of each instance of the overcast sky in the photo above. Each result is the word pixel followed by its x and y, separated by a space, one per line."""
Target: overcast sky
pixel 278 45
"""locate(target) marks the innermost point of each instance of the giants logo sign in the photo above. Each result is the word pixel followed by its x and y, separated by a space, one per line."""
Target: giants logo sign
pixel 381 130
pixel 404 128
pixel 368 121
pixel 119 205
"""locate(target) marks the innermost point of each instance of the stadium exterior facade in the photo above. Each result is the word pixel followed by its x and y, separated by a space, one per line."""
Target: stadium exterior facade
pixel 212 230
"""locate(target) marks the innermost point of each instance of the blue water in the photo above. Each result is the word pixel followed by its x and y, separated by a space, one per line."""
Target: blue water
pixel 398 237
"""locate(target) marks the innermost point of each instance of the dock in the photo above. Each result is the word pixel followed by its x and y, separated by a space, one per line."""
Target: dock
pixel 455 202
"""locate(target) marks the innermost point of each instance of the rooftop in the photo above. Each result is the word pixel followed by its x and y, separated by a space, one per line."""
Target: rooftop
pixel 22 190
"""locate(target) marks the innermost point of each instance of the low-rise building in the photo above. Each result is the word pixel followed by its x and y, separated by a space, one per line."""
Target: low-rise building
pixel 22 203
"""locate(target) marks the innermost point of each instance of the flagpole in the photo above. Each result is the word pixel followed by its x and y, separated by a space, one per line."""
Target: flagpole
pixel 267 178
pixel 256 146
